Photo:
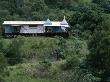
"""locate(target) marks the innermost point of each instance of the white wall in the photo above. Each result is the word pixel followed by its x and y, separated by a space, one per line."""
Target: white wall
pixel 27 29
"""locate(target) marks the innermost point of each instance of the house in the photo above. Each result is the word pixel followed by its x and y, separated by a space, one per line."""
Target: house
pixel 35 27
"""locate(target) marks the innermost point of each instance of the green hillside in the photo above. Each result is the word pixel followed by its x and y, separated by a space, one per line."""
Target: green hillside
pixel 42 59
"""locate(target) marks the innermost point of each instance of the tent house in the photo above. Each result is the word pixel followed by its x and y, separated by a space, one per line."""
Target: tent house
pixel 35 27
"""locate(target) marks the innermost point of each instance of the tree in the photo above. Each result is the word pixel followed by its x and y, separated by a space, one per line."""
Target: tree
pixel 99 58
pixel 14 54
pixel 85 20
pixel 2 67
pixel 3 62
pixel 59 53
pixel 104 4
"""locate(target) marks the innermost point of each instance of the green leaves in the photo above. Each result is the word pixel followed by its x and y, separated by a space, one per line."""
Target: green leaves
pixel 14 53
pixel 3 62
pixel 99 45
pixel 104 4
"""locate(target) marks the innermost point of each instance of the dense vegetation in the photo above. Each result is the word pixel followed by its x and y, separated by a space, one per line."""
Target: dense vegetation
pixel 84 56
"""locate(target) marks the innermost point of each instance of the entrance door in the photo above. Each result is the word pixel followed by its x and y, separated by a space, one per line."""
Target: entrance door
pixel 49 29
pixel 17 29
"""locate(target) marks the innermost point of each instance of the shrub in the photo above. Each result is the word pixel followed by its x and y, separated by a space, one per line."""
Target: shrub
pixel 3 64
pixel 43 70
pixel 59 52
pixel 14 53
pixel 46 64
pixel 76 75
pixel 71 63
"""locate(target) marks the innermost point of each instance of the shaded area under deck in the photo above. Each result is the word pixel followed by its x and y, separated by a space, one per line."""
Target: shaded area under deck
pixel 47 34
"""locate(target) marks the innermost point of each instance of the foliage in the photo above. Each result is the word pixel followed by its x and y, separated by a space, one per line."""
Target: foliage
pixel 3 63
pixel 43 70
pixel 85 20
pixel 23 49
pixel 99 46
pixel 2 67
pixel 76 47
pixel 14 54
pixel 46 64
pixel 89 21
pixel 104 4
pixel 75 75
pixel 59 53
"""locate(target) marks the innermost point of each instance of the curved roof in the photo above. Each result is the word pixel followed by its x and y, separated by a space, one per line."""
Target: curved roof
pixel 48 22
pixel 64 22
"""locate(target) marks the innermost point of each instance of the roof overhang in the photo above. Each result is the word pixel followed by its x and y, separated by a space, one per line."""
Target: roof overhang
pixel 22 22
pixel 18 23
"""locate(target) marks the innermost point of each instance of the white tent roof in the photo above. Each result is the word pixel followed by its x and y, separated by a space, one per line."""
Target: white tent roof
pixel 22 22
pixel 54 23
pixel 48 22
pixel 64 22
